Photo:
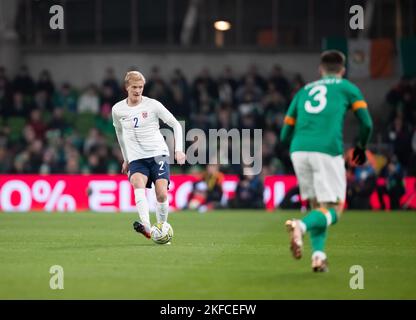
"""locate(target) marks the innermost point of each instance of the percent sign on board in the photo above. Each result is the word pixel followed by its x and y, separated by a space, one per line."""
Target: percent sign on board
pixel 53 198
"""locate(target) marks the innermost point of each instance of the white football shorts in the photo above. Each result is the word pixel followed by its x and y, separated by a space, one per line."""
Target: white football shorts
pixel 320 176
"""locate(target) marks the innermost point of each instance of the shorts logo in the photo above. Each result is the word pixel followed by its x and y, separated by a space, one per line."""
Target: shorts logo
pixel 144 115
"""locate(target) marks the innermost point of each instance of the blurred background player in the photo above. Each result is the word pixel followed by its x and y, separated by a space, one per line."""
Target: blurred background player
pixel 145 153
pixel 314 127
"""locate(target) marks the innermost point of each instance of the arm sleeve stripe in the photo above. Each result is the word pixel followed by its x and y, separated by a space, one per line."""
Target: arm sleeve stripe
pixel 290 121
pixel 359 105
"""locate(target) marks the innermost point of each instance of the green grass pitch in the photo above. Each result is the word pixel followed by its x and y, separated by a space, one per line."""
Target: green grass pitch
pixel 215 255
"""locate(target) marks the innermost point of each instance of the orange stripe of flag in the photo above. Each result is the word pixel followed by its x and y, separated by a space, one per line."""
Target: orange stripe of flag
pixel 359 105
pixel 381 58
pixel 290 121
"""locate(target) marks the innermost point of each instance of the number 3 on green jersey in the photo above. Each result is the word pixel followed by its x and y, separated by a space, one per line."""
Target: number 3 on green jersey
pixel 317 99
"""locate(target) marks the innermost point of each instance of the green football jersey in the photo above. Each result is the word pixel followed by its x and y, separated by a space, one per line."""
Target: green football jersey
pixel 317 113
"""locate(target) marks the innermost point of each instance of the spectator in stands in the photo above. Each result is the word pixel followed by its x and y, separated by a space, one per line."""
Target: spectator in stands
pixel 6 160
pixel 361 183
pixel 402 99
pixel 249 88
pixel 248 116
pixel 49 162
pixel 5 96
pixel 37 124
pixel 258 79
pixel 399 138
pixel 207 191
pixel 104 123
pixel 394 185
pixel 19 107
pixel 156 88
pixel 249 192
pixel 45 84
pixel 297 83
pixel 89 101
pixel 270 141
pixel 274 108
pixel 225 92
pixel 35 156
pixel 43 101
pixel 95 165
pixel 203 116
pixel 27 138
pixel 227 85
pixel 58 122
pixel 280 81
pixel 225 118
pixel 110 80
pixel 23 82
pixel 21 163
pixel 204 83
pixel 180 95
pixel 108 99
pixel 66 98
pixel 72 166
pixel 93 140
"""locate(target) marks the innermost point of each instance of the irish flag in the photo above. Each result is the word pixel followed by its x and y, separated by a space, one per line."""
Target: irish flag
pixel 365 57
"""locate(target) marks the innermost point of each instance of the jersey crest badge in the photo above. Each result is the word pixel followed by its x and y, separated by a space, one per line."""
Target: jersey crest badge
pixel 144 115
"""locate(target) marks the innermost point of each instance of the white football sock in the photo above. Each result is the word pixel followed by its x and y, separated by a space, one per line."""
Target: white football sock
pixel 142 207
pixel 302 226
pixel 162 211
pixel 319 254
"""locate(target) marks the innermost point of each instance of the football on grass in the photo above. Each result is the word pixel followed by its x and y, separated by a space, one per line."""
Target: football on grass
pixel 161 233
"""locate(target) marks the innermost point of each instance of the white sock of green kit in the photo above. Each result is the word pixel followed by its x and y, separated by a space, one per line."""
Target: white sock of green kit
pixel 162 211
pixel 142 207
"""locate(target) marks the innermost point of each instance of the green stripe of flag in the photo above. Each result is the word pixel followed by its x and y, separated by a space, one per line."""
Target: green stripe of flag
pixel 407 49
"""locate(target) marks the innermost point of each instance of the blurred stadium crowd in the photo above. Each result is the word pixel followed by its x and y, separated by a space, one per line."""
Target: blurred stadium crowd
pixel 47 127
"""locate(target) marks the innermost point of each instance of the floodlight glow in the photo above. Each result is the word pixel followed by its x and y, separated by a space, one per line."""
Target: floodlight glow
pixel 222 25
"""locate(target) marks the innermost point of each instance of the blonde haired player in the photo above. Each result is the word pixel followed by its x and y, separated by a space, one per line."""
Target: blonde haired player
pixel 145 153
pixel 314 127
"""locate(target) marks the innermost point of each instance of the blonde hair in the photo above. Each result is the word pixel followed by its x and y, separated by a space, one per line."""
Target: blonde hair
pixel 133 76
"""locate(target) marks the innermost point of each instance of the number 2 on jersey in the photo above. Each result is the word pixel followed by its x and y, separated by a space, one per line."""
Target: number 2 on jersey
pixel 318 94
pixel 136 122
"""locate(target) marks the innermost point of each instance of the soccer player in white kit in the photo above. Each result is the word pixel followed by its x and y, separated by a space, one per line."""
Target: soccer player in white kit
pixel 145 153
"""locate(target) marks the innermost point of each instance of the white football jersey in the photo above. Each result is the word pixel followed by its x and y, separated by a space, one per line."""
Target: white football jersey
pixel 137 129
